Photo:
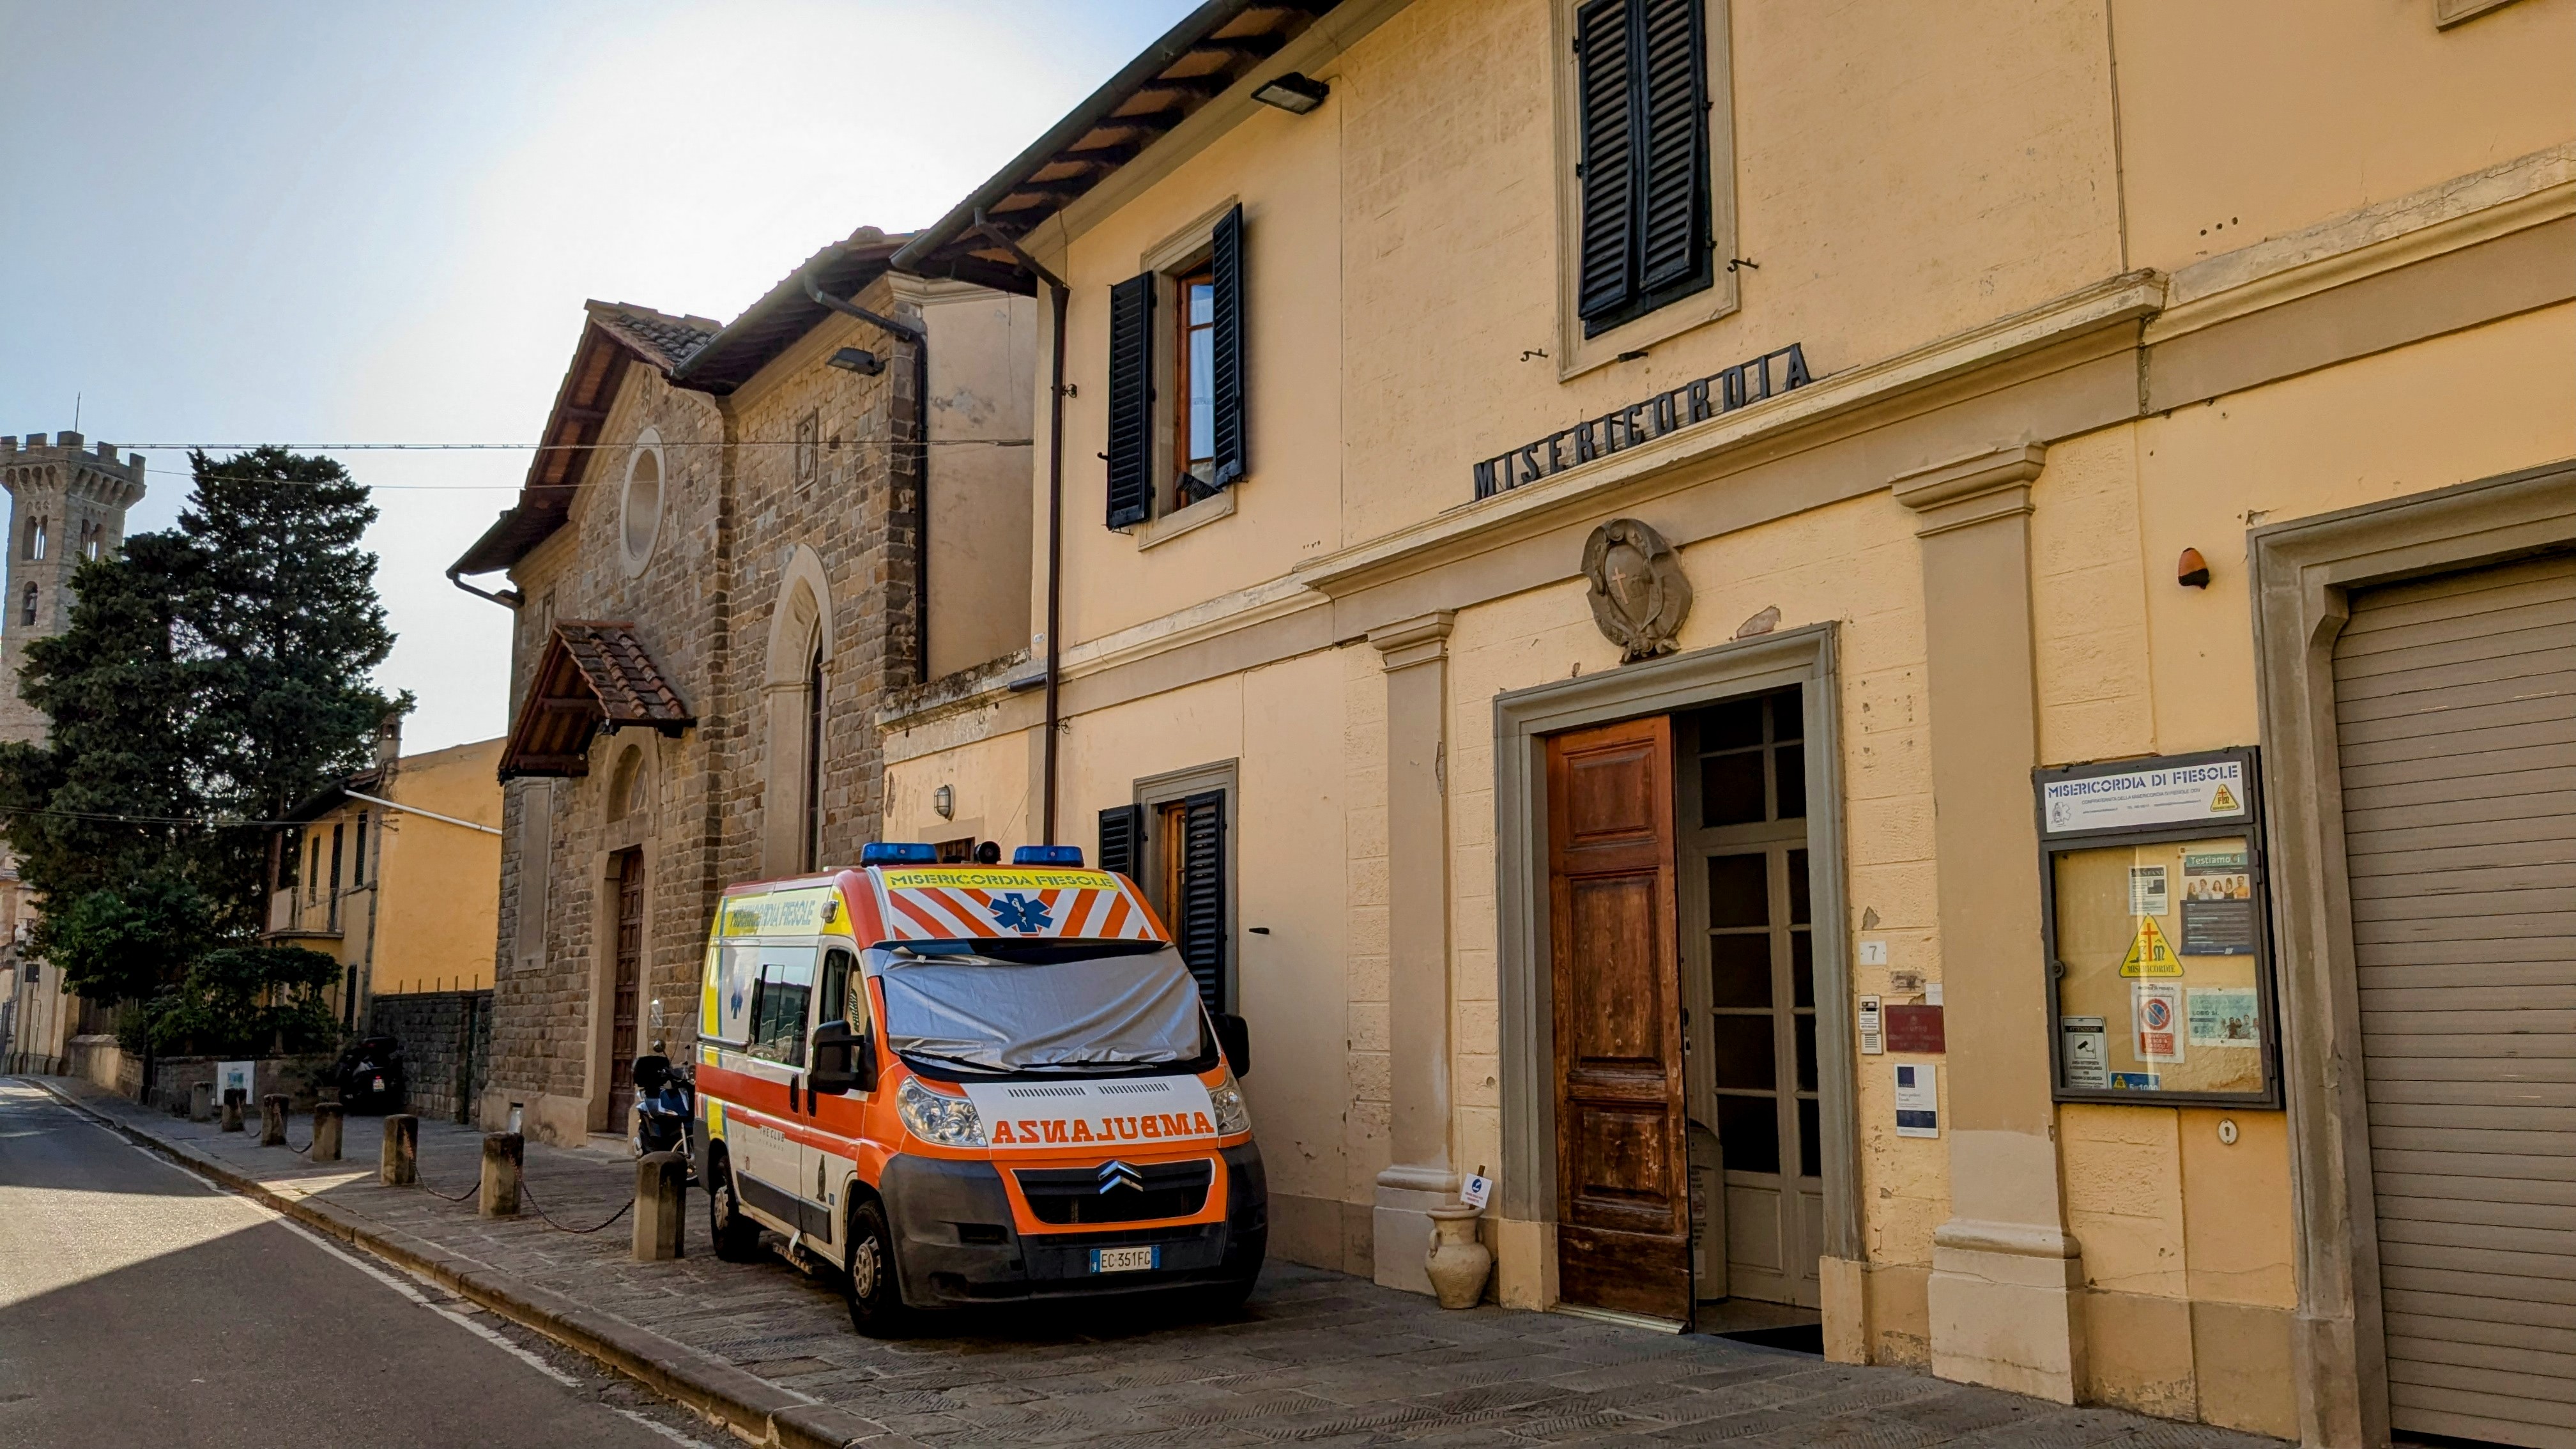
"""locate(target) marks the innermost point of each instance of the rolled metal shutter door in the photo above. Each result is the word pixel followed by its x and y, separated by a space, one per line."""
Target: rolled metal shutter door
pixel 2455 705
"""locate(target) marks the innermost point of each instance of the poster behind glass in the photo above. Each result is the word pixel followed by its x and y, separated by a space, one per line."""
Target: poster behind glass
pixel 2161 990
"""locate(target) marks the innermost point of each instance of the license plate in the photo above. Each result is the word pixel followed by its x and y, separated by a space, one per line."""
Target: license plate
pixel 1126 1260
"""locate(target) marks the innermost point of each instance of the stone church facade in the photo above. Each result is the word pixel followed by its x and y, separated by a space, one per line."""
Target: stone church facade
pixel 718 569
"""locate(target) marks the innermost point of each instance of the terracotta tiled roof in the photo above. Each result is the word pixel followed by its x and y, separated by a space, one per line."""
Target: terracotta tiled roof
pixel 594 675
pixel 658 337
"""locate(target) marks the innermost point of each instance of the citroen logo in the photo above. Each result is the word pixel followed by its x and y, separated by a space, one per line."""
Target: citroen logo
pixel 1115 1174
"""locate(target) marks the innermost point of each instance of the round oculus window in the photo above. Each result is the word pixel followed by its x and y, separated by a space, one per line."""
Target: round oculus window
pixel 640 517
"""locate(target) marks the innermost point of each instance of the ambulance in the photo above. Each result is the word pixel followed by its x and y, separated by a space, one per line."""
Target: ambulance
pixel 955 1085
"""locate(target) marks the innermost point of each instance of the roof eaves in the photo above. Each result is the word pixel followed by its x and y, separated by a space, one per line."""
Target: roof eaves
pixel 1132 79
pixel 784 313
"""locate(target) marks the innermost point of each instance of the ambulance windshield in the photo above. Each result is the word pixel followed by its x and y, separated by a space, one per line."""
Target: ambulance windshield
pixel 1104 1009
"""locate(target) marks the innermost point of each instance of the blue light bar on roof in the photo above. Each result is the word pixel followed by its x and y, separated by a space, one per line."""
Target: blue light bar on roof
pixel 1047 855
pixel 898 852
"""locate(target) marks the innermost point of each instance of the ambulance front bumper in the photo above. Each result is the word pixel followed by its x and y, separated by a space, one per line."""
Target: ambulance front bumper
pixel 957 1245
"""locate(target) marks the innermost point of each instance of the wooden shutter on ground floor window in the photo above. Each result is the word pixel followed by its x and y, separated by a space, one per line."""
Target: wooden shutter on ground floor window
pixel 1121 831
pixel 1672 233
pixel 1131 401
pixel 1225 264
pixel 1602 52
pixel 1199 915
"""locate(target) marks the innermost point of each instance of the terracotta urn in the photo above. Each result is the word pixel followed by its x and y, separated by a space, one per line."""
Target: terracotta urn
pixel 1458 1261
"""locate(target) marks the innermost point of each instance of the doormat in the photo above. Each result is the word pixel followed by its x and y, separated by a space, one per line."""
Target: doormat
pixel 1795 1338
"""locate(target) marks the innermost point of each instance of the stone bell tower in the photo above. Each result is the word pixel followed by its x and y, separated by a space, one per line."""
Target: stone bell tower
pixel 66 506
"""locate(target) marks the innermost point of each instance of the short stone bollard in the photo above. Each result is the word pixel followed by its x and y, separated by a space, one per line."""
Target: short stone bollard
pixel 504 1155
pixel 272 1121
pixel 661 1204
pixel 232 1109
pixel 201 1101
pixel 326 1132
pixel 399 1165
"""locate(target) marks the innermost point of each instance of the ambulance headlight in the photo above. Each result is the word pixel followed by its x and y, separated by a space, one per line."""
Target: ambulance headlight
pixel 1231 1115
pixel 936 1117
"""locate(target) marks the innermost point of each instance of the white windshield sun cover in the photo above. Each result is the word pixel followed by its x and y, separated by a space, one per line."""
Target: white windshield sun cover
pixel 995 1016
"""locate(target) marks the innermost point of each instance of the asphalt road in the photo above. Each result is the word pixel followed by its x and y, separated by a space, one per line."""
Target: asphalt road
pixel 140 1305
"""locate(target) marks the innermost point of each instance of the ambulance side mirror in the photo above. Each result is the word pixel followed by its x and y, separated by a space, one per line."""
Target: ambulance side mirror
pixel 844 1059
pixel 1234 1034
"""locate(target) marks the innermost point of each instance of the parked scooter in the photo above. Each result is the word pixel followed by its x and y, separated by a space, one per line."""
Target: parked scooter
pixel 369 1075
pixel 665 1103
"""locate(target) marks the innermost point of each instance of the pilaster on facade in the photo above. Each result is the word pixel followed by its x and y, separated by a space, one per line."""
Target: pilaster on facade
pixel 1422 1173
pixel 2007 1278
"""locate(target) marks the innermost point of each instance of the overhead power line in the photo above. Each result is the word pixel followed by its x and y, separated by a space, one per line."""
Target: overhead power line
pixel 666 444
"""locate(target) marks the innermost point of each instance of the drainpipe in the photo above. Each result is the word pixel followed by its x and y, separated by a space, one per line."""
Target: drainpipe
pixel 1057 295
pixel 507 598
pixel 919 337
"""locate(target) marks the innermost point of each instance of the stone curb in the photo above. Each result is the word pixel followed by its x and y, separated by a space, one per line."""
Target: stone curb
pixel 751 1407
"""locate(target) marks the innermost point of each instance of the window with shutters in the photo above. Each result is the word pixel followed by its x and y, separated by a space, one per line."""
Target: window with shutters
pixel 1177 843
pixel 1645 157
pixel 1176 397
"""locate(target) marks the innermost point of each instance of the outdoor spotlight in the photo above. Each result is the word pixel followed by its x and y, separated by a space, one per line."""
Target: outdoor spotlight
pixel 858 360
pixel 944 800
pixel 1294 93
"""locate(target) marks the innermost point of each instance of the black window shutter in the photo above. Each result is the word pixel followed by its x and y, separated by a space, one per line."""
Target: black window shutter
pixel 1131 401
pixel 1122 830
pixel 1672 233
pixel 1602 48
pixel 1200 912
pixel 1225 262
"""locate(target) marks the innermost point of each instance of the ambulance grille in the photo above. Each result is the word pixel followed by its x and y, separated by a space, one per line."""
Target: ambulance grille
pixel 1070 1195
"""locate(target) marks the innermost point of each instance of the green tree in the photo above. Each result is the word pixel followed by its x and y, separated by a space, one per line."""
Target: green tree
pixel 246 1000
pixel 282 629
pixel 120 943
pixel 212 677
pixel 91 808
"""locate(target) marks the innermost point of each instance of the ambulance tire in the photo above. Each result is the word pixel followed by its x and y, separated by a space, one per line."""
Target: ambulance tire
pixel 733 1232
pixel 872 1284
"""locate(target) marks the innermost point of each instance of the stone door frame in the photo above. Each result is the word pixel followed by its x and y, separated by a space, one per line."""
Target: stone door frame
pixel 1804 656
pixel 2301 575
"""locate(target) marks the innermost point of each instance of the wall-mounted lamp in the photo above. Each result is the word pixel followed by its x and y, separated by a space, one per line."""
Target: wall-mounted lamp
pixel 2193 570
pixel 1294 93
pixel 858 360
pixel 944 800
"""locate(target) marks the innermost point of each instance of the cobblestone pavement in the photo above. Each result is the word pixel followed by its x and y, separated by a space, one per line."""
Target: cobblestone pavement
pixel 1315 1358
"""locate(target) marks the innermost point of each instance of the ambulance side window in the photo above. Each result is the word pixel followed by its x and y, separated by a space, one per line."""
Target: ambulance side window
pixel 844 996
pixel 778 1005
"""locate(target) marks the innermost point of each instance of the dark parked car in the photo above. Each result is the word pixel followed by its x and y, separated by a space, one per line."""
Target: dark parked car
pixel 369 1075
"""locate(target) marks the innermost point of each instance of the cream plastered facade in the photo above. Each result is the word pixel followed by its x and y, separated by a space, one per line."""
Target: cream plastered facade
pixel 2082 285
pixel 421 914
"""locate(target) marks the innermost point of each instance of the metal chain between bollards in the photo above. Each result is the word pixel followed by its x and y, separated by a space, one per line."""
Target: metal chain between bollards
pixel 423 1184
pixel 558 1227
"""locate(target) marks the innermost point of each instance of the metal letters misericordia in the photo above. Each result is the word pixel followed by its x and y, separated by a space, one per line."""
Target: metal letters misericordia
pixel 1621 428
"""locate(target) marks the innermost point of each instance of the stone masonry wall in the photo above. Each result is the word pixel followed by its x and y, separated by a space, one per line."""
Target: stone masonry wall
pixel 737 507
pixel 446 1038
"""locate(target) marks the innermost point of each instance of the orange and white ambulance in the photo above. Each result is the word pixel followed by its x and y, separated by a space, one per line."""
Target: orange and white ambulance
pixel 970 1084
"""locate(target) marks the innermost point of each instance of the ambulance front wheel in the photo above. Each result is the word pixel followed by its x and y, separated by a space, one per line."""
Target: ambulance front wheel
pixel 874 1286
pixel 735 1235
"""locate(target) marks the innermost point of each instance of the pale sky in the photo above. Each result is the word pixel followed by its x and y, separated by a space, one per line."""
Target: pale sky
pixel 240 223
